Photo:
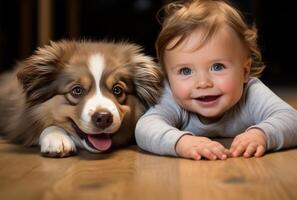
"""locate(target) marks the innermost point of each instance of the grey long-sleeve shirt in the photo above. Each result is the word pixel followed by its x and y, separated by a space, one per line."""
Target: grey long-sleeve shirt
pixel 159 129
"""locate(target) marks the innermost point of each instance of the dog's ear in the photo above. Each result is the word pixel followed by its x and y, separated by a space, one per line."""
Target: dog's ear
pixel 148 80
pixel 38 73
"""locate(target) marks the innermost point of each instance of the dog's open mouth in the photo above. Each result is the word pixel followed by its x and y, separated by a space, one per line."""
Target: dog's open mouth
pixel 101 142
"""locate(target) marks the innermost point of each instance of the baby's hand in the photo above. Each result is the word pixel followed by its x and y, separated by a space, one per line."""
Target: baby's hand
pixel 248 144
pixel 194 147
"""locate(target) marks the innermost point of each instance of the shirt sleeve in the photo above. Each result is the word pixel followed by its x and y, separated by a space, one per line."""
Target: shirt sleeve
pixel 157 131
pixel 271 114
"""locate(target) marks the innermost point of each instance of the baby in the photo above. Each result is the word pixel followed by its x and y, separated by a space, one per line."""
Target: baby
pixel 211 61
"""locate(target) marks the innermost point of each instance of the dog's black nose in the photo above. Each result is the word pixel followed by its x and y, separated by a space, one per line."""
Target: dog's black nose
pixel 102 119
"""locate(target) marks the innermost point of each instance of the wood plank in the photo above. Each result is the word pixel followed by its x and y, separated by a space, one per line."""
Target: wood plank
pixel 240 178
pixel 132 174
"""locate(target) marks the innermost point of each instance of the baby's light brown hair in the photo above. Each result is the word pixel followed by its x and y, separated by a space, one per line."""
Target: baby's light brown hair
pixel 181 19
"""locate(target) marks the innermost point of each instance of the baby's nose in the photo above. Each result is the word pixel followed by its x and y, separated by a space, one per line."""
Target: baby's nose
pixel 203 81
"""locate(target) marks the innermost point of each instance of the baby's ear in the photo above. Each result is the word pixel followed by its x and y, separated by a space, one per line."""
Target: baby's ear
pixel 148 80
pixel 38 73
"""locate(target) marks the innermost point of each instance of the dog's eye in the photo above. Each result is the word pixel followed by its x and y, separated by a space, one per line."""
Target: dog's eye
pixel 117 90
pixel 77 91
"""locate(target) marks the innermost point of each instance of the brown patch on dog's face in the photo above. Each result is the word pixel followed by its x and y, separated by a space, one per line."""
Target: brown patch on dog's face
pixel 120 87
pixel 67 103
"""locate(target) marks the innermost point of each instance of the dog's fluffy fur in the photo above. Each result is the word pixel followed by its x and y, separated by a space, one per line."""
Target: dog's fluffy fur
pixel 78 94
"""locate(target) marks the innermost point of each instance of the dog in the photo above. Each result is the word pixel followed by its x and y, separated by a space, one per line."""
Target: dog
pixel 72 95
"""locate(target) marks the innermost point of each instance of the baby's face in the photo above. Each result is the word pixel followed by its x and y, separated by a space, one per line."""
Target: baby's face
pixel 208 80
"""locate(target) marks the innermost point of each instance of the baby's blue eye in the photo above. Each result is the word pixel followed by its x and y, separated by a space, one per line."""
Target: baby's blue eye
pixel 185 71
pixel 217 67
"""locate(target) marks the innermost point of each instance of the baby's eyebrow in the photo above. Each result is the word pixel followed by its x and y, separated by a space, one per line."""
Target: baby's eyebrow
pixel 182 65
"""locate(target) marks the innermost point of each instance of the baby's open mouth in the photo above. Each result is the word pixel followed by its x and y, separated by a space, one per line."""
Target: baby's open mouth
pixel 208 98
pixel 101 142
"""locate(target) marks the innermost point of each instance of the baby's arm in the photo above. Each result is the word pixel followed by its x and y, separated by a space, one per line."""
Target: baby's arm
pixel 195 147
pixel 157 130
pixel 269 115
pixel 248 144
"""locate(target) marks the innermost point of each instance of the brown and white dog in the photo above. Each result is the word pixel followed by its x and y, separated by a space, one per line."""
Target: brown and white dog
pixel 78 94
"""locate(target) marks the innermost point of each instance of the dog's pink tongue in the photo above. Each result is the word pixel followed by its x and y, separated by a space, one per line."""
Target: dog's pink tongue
pixel 101 142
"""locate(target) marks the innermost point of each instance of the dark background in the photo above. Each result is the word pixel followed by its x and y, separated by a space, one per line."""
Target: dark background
pixel 135 21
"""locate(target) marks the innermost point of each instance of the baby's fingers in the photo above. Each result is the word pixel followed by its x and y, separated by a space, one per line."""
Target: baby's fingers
pixel 205 152
pixel 193 154
pixel 220 152
pixel 250 150
pixel 234 144
pixel 260 151
pixel 254 149
pixel 238 150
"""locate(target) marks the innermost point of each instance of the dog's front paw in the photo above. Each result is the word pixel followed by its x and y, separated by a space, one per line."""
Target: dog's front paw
pixel 55 142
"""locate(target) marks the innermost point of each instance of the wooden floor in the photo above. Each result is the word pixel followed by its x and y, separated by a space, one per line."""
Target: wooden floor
pixel 132 174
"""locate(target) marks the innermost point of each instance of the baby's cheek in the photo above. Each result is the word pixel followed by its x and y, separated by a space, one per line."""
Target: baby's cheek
pixel 179 95
pixel 233 90
pixel 230 86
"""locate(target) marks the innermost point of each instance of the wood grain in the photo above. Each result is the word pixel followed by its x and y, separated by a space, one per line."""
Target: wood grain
pixel 132 174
